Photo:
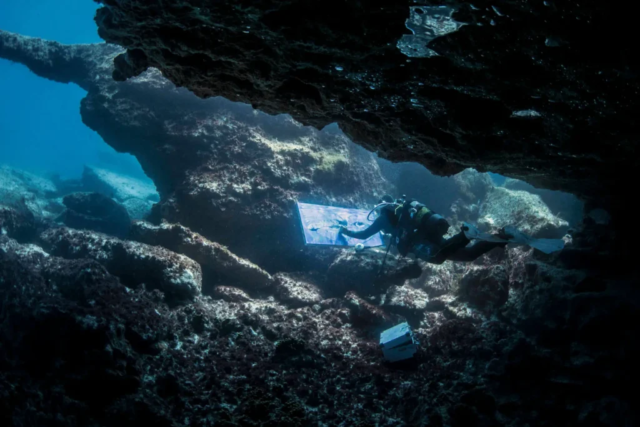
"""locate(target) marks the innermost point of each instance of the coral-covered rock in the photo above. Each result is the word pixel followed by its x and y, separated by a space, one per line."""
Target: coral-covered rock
pixel 439 303
pixel 523 210
pixel 179 277
pixel 96 212
pixel 367 316
pixel 563 205
pixel 406 301
pixel 485 288
pixel 470 190
pixel 295 292
pixel 436 279
pixel 75 324
pixel 230 294
pixel 213 257
pixel 364 273
pixel 30 253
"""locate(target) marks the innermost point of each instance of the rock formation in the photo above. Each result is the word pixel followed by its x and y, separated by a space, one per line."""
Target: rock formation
pixel 136 196
pixel 214 258
pixel 29 193
pixel 494 336
pixel 295 292
pixel 523 210
pixel 232 164
pixel 18 225
pixel 97 330
pixel 365 273
pixel 543 92
pixel 136 264
pixel 97 212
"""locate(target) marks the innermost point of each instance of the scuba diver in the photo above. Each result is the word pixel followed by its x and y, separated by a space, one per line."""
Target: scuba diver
pixel 415 228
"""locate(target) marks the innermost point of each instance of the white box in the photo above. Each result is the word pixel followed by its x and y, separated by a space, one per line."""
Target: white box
pixel 397 343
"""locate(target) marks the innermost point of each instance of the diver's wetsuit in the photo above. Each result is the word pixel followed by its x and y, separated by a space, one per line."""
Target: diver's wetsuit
pixel 424 239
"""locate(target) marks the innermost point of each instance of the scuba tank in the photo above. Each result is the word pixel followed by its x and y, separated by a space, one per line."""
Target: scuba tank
pixel 394 236
pixel 410 229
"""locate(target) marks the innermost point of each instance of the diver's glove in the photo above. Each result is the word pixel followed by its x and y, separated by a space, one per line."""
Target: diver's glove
pixel 342 229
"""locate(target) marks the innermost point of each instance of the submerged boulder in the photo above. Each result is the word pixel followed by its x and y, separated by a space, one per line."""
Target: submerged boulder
pixel 564 205
pixel 211 255
pixel 97 212
pixel 179 277
pixel 473 186
pixel 137 196
pixel 437 279
pixel 29 193
pixel 19 225
pixel 523 210
pixel 365 273
pixel 230 294
pixel 367 316
pixel 406 301
pixel 295 292
pixel 33 254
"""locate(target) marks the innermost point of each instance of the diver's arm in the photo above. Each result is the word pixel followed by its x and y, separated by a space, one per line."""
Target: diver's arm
pixel 374 228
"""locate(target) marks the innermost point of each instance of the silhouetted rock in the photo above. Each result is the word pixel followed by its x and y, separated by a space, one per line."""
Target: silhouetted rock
pixel 96 212
pixel 179 277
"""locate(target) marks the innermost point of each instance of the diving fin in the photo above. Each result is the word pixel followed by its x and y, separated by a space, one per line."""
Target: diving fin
pixel 548 246
pixel 472 233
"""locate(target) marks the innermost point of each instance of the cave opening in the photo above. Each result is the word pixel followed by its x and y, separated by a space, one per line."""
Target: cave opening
pixel 46 149
pixel 488 198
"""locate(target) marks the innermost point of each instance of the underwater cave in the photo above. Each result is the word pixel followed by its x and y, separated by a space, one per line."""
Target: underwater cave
pixel 258 197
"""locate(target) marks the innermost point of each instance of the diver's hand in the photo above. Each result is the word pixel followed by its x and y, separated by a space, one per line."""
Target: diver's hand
pixel 342 230
pixel 504 235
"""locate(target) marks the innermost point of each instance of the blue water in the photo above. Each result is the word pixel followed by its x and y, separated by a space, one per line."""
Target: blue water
pixel 40 125
pixel 497 178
